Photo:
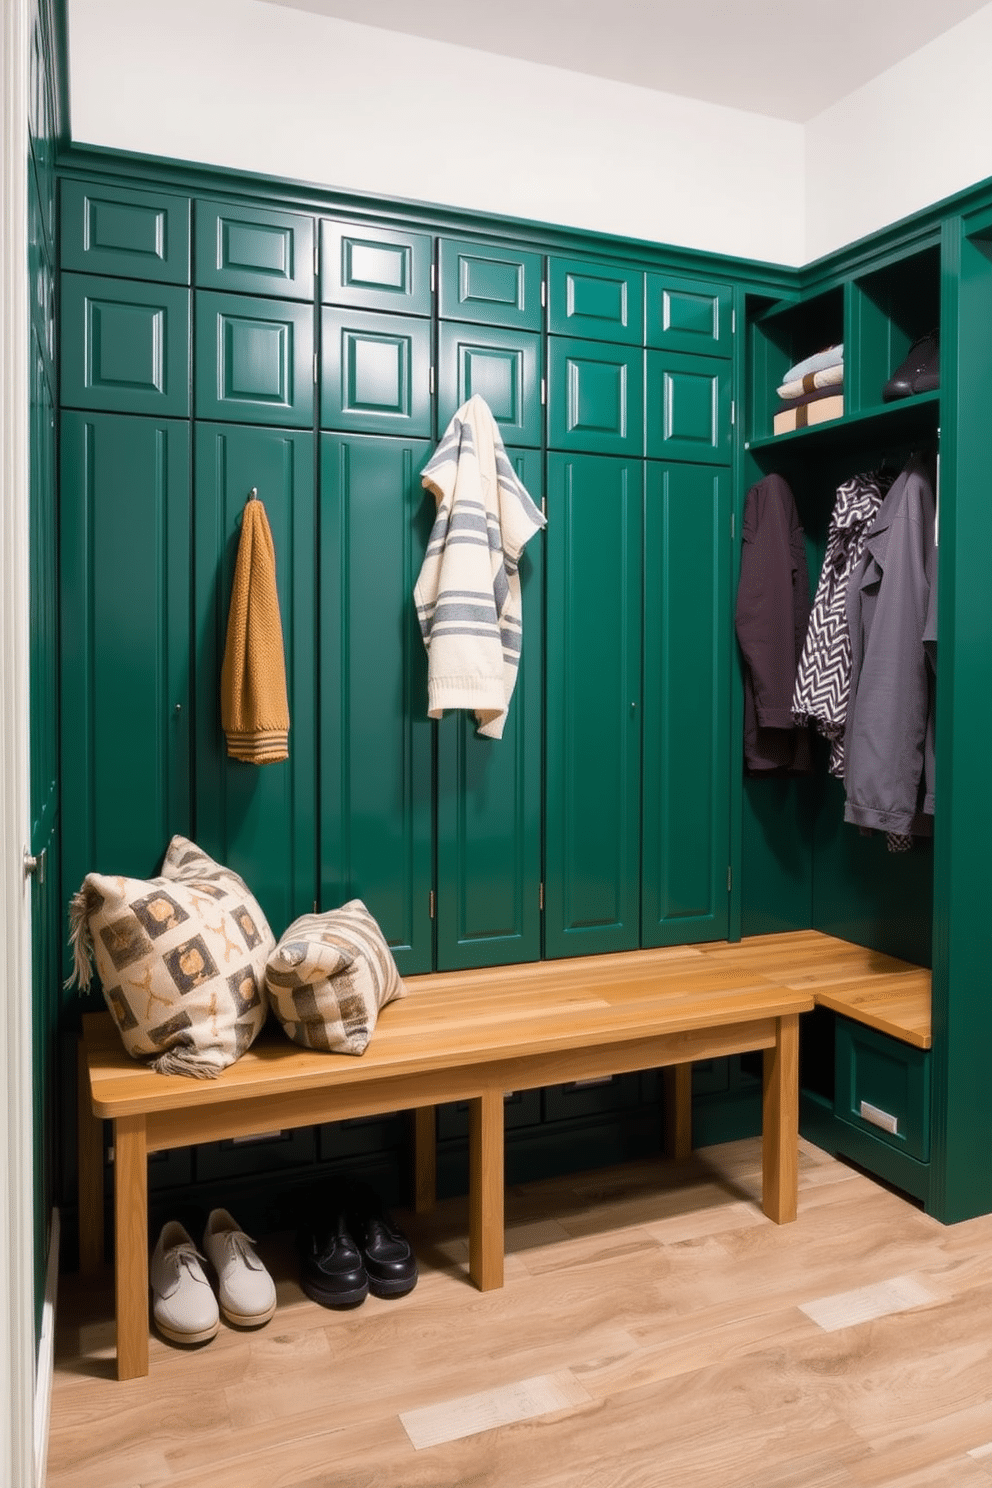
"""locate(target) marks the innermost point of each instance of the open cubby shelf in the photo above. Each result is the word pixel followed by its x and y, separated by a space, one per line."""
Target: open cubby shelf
pixel 883 424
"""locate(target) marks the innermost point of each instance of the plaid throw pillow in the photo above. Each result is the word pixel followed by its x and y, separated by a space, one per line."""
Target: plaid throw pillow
pixel 181 959
pixel 329 976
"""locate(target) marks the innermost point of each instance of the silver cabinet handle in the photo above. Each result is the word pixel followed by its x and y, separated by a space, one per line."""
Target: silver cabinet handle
pixel 35 867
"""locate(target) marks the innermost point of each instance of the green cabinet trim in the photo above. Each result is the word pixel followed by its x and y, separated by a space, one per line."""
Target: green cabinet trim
pixel 490 284
pixel 253 251
pixel 254 360
pixel 125 346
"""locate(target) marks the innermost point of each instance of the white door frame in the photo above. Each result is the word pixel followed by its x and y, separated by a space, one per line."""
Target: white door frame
pixel 17 1281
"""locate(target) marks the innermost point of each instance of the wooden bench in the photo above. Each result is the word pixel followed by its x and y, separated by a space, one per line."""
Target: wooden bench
pixel 469 1036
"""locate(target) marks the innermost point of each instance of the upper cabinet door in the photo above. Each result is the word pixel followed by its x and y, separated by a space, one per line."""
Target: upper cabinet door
pixel 503 367
pixel 603 302
pixel 136 234
pixel 688 408
pixel 376 374
pixel 687 315
pixel 489 284
pixel 686 767
pixel 125 346
pixel 375 268
pixel 253 251
pixel 254 360
pixel 595 397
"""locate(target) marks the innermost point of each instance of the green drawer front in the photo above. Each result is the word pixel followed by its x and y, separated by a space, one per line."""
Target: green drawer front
pixel 595 397
pixel 882 1083
pixel 688 408
pixel 591 1097
pixel 254 360
pixel 376 374
pixel 503 366
pixel 136 234
pixel 253 251
pixel 125 346
pixel 599 301
pixel 490 285
pixel 688 315
pixel 269 1151
pixel 375 268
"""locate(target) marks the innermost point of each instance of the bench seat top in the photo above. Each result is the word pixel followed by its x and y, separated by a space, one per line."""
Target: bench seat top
pixel 458 1019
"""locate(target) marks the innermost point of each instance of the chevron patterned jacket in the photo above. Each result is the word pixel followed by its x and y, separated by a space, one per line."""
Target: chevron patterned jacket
pixel 823 679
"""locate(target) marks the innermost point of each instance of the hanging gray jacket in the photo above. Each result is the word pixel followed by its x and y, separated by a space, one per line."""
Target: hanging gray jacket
pixel 891 609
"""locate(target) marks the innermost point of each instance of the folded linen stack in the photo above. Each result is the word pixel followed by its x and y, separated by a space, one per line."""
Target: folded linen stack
pixel 811 392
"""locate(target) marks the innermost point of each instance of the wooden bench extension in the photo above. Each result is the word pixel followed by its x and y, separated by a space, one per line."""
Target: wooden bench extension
pixel 467 1036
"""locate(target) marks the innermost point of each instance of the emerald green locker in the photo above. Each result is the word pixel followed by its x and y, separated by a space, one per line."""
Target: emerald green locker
pixel 689 315
pixel 376 741
pixel 595 397
pixel 254 360
pixel 593 647
pixel 686 793
pixel 258 819
pixel 133 234
pixel 126 649
pixel 489 801
pixel 504 366
pixel 253 251
pixel 603 302
pixel 375 376
pixel 688 408
pixel 375 268
pixel 125 346
pixel 490 284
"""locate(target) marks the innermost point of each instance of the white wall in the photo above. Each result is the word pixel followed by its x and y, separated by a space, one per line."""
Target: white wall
pixel 262 88
pixel 913 135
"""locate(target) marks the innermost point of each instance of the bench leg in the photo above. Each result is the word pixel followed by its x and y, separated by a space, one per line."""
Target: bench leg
pixel 485 1236
pixel 424 1159
pixel 678 1111
pixel 89 1138
pixel 131 1237
pixel 780 1124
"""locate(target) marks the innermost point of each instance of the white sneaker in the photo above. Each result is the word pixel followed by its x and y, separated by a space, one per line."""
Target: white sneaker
pixel 183 1304
pixel 247 1291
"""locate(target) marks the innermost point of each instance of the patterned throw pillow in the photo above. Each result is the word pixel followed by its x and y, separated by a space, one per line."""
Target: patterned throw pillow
pixel 329 976
pixel 181 959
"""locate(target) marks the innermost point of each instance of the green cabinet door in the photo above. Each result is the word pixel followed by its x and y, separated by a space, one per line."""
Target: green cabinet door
pixel 253 251
pixel 376 741
pixel 593 705
pixel 489 801
pixel 254 360
pixel 490 284
pixel 686 770
pixel 133 234
pixel 595 397
pixel 689 315
pixel 258 819
pixel 126 652
pixel 688 408
pixel 603 302
pixel 502 366
pixel 375 374
pixel 125 346
pixel 375 268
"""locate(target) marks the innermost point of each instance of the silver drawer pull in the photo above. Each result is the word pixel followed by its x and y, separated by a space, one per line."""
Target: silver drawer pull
pixel 879 1118
pixel 588 1084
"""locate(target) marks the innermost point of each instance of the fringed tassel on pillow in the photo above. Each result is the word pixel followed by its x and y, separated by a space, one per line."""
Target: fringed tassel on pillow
pixel 81 941
pixel 181 1061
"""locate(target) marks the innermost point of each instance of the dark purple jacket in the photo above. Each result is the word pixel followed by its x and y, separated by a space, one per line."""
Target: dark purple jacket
pixel 773 607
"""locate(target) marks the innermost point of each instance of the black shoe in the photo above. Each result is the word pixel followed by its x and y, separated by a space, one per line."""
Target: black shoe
pixel 919 372
pixel 331 1268
pixel 386 1252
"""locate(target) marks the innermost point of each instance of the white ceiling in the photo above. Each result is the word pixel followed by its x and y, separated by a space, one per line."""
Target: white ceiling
pixel 786 58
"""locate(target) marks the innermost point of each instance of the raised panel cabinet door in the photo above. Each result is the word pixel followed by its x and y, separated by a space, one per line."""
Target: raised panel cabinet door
pixel 134 234
pixel 489 800
pixel 125 346
pixel 601 302
pixel 257 819
pixel 689 315
pixel 686 810
pixel 375 268
pixel 490 284
pixel 375 374
pixel 593 705
pixel 595 397
pixel 376 741
pixel 254 360
pixel 502 366
pixel 688 408
pixel 253 251
pixel 126 645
